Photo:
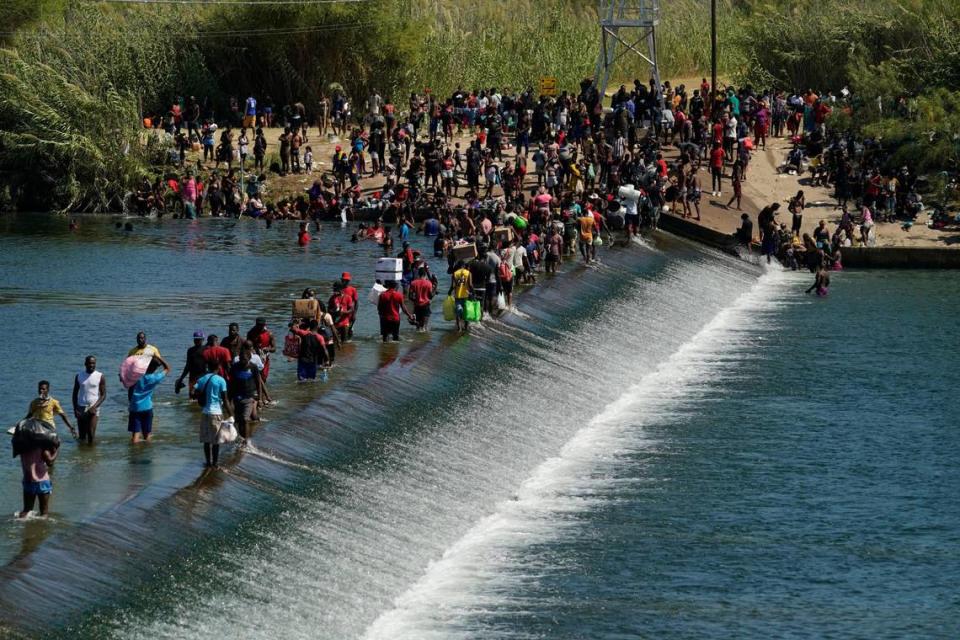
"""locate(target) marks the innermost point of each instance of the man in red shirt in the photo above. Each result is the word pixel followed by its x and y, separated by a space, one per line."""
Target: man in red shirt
pixel 313 350
pixel 716 168
pixel 217 355
pixel 263 343
pixel 340 307
pixel 679 124
pixel 389 306
pixel 350 291
pixel 421 292
pixel 662 169
pixel 820 112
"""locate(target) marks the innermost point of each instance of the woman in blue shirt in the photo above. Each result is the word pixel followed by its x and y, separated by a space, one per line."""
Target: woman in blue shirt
pixel 140 396
pixel 212 389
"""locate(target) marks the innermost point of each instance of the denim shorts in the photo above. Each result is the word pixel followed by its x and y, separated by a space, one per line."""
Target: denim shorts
pixel 41 488
pixel 306 370
pixel 140 422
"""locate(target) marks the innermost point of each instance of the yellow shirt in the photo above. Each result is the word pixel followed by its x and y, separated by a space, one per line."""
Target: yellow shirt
pixel 148 350
pixel 44 411
pixel 461 288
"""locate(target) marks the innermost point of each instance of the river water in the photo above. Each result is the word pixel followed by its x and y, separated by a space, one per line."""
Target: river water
pixel 673 444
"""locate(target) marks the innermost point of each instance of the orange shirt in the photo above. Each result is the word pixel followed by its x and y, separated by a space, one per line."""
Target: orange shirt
pixel 587 224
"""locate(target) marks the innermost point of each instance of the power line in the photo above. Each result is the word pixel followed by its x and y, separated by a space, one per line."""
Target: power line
pixel 279 31
pixel 237 2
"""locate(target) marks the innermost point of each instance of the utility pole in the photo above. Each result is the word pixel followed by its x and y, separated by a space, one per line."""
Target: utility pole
pixel 713 49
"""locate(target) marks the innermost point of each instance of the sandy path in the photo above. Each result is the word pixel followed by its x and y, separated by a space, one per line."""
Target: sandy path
pixel 764 185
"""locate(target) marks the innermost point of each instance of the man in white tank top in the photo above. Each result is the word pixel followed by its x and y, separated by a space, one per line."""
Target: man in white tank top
pixel 89 392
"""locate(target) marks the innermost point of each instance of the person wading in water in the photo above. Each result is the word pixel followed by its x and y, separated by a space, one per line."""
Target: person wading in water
pixel 89 392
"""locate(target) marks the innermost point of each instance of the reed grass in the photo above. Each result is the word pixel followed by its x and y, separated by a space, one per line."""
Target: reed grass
pixel 74 75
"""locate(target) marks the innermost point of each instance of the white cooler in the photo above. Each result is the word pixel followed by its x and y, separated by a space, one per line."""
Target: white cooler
pixel 389 269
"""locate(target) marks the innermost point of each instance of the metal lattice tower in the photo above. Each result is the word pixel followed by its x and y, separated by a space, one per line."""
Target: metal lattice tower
pixel 626 26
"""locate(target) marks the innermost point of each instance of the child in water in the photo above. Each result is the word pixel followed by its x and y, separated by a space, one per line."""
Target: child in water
pixel 821 282
pixel 387 242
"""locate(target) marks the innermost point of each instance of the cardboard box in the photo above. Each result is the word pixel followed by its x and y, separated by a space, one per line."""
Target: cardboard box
pixel 503 234
pixel 305 308
pixel 464 252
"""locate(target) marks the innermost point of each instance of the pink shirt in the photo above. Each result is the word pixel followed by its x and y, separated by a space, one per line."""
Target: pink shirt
pixel 190 190
pixel 34 468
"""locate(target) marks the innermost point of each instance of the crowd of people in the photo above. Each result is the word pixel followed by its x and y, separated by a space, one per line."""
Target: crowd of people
pixel 485 148
pixel 227 378
pixel 507 184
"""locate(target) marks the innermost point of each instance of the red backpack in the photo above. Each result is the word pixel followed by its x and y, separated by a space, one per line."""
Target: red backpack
pixel 506 272
pixel 291 345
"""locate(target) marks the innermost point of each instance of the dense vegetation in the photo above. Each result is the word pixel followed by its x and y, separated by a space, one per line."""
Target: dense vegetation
pixel 75 74
pixel 900 58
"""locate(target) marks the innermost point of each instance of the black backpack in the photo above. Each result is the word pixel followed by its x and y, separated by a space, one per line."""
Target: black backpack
pixel 202 394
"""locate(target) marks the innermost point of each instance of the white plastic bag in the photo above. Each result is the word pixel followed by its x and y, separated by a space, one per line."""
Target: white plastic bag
pixel 501 302
pixel 228 431
pixel 375 292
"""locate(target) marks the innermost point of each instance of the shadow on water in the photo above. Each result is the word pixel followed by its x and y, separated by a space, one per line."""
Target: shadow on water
pixel 521 367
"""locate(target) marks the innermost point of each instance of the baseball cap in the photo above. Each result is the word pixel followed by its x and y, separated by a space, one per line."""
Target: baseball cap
pixel 345 275
pixel 261 320
pixel 198 334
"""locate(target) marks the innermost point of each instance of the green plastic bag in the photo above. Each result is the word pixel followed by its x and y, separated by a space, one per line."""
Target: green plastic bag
pixel 449 309
pixel 471 311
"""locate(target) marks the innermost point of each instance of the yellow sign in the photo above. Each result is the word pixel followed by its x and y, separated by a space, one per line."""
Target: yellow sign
pixel 548 86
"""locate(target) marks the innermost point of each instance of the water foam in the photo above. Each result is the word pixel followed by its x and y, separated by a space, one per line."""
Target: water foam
pixel 451 587
pixel 252 449
pixel 340 555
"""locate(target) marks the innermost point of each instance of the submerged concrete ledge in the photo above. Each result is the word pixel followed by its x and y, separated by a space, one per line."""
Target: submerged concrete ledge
pixel 693 231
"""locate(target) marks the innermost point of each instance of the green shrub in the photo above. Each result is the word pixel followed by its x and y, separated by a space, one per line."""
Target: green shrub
pixel 70 94
pixel 77 75
pixel 928 139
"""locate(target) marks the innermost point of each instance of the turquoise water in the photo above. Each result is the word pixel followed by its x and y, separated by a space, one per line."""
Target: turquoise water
pixel 792 475
pixel 64 295
pixel 672 445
